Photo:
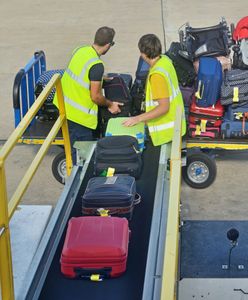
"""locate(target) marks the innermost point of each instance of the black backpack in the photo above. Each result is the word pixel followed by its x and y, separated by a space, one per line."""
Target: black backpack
pixel 138 88
pixel 184 68
pixel 48 111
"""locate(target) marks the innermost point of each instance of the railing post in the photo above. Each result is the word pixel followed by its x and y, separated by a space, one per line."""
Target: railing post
pixel 65 131
pixel 170 264
pixel 6 272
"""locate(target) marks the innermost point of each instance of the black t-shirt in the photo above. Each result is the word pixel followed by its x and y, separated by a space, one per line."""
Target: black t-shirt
pixel 96 72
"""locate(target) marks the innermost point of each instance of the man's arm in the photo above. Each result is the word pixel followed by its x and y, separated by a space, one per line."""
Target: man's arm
pixel 161 109
pixel 96 94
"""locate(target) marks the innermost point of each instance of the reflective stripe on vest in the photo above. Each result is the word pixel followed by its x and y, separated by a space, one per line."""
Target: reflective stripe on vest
pixel 79 79
pixel 80 107
pixel 175 92
pixel 161 127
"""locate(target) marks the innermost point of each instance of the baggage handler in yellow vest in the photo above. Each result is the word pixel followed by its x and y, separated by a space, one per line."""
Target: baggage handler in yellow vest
pixel 82 87
pixel 162 93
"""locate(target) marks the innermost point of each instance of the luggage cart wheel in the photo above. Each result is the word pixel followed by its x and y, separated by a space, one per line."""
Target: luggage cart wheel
pixel 59 167
pixel 200 171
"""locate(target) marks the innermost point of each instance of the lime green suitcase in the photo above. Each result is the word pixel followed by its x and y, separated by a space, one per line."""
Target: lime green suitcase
pixel 115 127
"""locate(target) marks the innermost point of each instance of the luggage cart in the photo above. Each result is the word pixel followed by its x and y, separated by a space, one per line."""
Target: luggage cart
pixel 23 98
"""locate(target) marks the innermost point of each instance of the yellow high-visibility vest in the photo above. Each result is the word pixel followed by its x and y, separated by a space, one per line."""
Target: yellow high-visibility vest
pixel 76 88
pixel 161 129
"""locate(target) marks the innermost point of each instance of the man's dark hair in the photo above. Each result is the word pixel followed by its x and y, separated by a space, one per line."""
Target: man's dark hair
pixel 150 45
pixel 104 36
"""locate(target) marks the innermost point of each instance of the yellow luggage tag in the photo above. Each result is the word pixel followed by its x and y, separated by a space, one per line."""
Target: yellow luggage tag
pixel 110 172
pixel 95 277
pixel 203 125
pixel 198 130
pixel 236 94
pixel 103 212
pixel 238 115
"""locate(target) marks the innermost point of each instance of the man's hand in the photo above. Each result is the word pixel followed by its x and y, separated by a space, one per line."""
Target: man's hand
pixel 131 121
pixel 114 107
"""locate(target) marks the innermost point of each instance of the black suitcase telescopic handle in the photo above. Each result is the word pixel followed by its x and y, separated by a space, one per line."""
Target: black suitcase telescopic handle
pixel 88 273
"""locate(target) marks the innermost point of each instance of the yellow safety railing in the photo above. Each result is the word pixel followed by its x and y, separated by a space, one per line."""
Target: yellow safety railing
pixel 7 208
pixel 170 265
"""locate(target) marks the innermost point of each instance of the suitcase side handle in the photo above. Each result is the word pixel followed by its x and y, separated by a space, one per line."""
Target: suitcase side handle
pixel 93 274
pixel 137 199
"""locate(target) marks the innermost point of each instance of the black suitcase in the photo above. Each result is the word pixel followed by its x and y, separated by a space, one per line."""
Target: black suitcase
pixel 184 68
pixel 118 152
pixel 116 90
pixel 116 194
pixel 127 78
pixel 234 88
pixel 206 41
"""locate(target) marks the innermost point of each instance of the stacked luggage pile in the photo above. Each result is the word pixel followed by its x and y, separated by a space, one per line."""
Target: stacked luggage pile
pixel 216 104
pixel 96 244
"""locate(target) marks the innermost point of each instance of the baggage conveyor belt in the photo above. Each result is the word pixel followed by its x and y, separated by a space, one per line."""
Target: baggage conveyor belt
pixel 127 287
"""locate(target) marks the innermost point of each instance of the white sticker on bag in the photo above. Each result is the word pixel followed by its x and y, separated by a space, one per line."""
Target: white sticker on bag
pixel 111 180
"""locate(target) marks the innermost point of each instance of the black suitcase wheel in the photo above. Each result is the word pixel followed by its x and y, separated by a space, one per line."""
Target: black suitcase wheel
pixel 59 167
pixel 200 171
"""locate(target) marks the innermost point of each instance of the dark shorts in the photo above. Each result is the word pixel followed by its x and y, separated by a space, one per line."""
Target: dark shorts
pixel 78 132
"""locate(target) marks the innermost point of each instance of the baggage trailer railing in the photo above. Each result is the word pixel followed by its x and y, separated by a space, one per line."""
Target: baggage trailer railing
pixel 8 207
pixel 24 97
pixel 24 83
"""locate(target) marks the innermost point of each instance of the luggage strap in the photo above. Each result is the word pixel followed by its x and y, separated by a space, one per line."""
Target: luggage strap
pixel 245 116
pixel 236 94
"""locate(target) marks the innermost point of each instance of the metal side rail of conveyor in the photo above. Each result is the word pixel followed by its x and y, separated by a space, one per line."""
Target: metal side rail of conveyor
pixel 153 246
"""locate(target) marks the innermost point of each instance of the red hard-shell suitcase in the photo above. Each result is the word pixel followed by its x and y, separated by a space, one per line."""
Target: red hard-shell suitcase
pixel 95 246
pixel 213 114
